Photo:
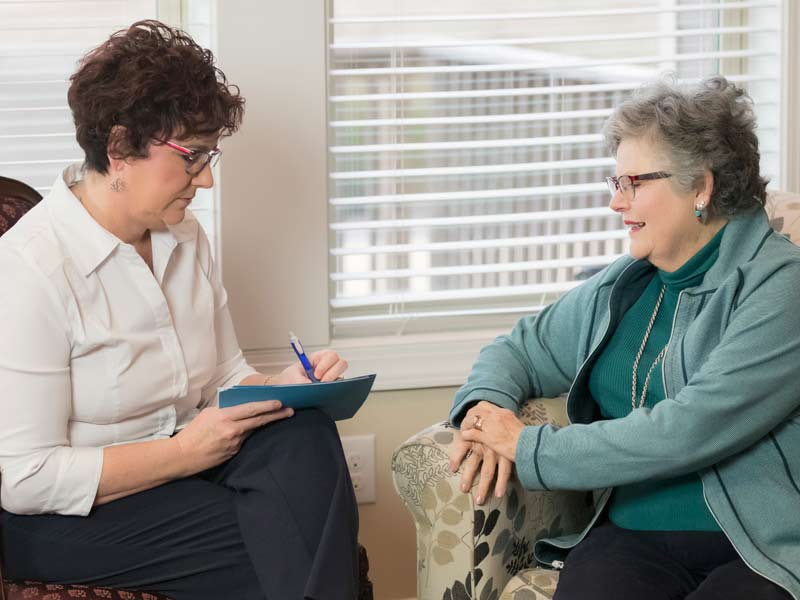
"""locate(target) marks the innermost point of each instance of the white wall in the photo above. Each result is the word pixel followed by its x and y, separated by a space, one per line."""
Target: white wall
pixel 386 528
pixel 273 229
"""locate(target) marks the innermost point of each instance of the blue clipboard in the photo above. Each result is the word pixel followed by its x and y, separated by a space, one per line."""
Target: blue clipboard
pixel 340 399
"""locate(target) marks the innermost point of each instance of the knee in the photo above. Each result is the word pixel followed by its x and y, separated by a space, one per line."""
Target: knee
pixel 312 418
pixel 313 427
pixel 308 433
pixel 318 433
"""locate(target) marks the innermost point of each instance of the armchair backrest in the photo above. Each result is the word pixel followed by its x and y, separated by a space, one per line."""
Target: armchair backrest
pixel 783 209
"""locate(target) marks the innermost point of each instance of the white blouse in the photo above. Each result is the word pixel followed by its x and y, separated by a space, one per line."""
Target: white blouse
pixel 96 350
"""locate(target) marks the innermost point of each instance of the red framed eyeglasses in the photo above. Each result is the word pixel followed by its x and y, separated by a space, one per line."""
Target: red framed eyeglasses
pixel 196 160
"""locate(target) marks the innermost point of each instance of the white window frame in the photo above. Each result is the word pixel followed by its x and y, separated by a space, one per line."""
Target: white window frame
pixel 274 190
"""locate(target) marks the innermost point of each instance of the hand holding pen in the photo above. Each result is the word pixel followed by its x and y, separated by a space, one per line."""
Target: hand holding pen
pixel 322 366
pixel 297 346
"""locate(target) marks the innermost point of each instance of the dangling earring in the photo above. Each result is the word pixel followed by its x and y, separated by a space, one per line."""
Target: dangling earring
pixel 118 185
pixel 700 212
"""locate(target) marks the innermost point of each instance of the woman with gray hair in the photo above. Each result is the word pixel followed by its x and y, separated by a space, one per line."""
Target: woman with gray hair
pixel 680 363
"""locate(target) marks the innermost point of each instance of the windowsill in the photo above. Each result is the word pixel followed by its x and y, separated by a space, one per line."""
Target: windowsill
pixel 407 362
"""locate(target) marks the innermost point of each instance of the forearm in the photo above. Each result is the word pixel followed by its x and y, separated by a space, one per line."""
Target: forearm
pixel 132 468
pixel 539 357
pixel 257 379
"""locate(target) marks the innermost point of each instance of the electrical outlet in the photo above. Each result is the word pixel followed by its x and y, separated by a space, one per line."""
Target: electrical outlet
pixel 359 451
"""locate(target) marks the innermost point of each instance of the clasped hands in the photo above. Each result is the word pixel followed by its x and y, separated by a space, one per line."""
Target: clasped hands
pixel 486 447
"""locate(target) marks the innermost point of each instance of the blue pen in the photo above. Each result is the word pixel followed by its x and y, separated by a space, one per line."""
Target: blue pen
pixel 301 354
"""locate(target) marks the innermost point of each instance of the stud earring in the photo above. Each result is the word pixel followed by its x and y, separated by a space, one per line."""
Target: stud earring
pixel 700 212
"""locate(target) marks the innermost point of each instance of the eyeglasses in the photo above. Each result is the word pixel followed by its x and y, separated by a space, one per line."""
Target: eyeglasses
pixel 626 184
pixel 196 160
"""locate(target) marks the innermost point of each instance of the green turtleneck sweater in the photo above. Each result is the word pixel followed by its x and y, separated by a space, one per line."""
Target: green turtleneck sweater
pixel 667 505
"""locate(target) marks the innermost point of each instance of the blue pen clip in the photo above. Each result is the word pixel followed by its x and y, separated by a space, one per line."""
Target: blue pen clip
pixel 301 355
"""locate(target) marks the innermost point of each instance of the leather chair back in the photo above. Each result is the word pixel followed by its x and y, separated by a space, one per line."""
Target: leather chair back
pixel 16 198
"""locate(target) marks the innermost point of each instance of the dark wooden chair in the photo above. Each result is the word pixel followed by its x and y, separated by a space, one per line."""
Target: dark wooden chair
pixel 17 198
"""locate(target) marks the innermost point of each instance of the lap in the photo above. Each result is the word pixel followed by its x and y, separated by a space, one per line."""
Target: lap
pixel 176 538
pixel 189 535
pixel 614 563
pixel 611 564
pixel 736 581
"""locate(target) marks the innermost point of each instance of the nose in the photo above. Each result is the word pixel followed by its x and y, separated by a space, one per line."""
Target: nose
pixel 618 202
pixel 205 178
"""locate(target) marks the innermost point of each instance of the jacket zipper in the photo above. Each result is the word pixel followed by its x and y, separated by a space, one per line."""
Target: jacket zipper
pixel 591 354
pixel 559 564
pixel 669 341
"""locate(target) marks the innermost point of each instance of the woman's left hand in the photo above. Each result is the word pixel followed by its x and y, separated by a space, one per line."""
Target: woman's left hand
pixel 328 366
pixel 494 427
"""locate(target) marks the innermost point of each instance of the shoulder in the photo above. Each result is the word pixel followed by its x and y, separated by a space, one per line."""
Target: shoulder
pixel 32 246
pixel 775 253
pixel 772 275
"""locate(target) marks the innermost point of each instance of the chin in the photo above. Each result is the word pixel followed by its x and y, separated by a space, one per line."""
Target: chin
pixel 174 217
pixel 638 252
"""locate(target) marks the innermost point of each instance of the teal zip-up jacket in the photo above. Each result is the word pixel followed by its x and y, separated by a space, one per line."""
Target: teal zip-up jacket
pixel 732 395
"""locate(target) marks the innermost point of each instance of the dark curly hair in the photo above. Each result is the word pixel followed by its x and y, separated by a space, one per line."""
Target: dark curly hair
pixel 710 125
pixel 152 81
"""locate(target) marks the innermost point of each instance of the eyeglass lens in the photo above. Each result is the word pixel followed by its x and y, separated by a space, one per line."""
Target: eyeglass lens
pixel 622 183
pixel 201 159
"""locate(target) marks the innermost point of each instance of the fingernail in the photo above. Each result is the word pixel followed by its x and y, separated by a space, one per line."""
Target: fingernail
pixel 480 500
pixel 464 487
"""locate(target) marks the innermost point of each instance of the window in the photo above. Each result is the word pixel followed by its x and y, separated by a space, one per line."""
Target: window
pixel 466 162
pixel 40 46
pixel 296 153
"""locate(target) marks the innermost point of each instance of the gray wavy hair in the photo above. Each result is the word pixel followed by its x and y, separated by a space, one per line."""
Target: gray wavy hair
pixel 710 125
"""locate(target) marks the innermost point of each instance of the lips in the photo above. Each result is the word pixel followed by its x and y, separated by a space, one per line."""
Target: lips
pixel 634 225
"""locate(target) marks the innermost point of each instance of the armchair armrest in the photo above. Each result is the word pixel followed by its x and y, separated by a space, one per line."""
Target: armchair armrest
pixel 470 551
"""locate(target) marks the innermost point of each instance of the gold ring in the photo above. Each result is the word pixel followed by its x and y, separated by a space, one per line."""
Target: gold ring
pixel 478 423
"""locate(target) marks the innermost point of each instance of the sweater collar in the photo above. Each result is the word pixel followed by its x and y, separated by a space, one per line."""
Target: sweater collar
pixel 692 272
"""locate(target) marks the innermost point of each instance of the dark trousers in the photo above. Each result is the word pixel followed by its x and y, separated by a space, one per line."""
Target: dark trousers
pixel 612 563
pixel 278 521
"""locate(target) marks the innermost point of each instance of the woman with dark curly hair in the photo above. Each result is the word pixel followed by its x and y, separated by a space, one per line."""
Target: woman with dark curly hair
pixel 118 466
pixel 680 364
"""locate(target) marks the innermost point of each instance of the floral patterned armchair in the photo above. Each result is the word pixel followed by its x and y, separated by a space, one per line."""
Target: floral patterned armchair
pixel 466 551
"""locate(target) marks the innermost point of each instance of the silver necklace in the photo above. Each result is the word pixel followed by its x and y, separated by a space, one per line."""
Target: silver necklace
pixel 639 356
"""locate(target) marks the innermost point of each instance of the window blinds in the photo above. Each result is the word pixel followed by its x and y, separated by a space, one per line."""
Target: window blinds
pixel 40 45
pixel 466 162
pixel 41 42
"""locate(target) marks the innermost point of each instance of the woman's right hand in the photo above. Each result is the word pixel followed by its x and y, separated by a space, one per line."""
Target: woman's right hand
pixel 216 434
pixel 480 461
